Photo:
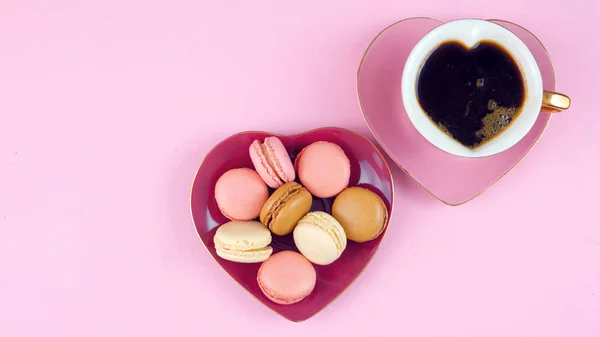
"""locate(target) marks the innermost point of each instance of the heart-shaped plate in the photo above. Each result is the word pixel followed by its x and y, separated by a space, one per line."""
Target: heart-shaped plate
pixel 451 179
pixel 368 169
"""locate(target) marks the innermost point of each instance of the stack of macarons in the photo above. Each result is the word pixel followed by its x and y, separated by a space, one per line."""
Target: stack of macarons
pixel 256 213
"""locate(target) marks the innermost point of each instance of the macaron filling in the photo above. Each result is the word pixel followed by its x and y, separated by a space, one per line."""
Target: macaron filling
pixel 280 203
pixel 269 153
pixel 266 162
pixel 271 163
pixel 249 252
pixel 244 245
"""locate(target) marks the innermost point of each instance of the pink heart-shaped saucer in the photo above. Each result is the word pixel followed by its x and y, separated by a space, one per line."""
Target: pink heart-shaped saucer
pixel 453 180
pixel 369 170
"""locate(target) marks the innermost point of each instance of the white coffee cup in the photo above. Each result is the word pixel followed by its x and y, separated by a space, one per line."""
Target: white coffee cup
pixel 470 32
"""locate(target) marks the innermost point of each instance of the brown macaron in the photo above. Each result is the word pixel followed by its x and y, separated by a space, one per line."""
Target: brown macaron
pixel 361 212
pixel 285 207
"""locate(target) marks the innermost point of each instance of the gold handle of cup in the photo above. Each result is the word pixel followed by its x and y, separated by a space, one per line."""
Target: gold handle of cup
pixel 555 102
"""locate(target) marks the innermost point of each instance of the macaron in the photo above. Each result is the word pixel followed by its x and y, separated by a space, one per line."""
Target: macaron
pixel 240 194
pixel 272 161
pixel 243 241
pixel 285 207
pixel 361 212
pixel 320 238
pixel 323 168
pixel 286 277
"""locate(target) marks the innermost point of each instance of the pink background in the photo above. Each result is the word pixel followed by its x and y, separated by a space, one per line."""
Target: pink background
pixel 107 108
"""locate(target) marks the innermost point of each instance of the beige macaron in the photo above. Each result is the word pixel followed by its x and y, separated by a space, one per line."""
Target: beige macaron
pixel 243 241
pixel 320 238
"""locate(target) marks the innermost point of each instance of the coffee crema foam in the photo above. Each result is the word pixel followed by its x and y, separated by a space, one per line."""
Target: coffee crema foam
pixel 497 120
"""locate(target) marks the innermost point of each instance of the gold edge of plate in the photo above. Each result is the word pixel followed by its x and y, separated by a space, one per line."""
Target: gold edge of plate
pixel 392 157
pixel 299 134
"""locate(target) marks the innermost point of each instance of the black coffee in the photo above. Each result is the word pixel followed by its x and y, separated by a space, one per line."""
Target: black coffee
pixel 471 94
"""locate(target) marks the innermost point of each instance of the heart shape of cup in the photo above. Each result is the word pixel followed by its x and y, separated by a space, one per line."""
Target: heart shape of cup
pixel 368 169
pixel 458 86
pixel 379 93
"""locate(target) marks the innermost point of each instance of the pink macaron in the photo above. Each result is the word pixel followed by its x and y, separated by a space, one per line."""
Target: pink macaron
pixel 286 277
pixel 272 162
pixel 240 194
pixel 323 169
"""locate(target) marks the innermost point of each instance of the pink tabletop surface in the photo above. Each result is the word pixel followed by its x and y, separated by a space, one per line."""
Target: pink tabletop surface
pixel 108 107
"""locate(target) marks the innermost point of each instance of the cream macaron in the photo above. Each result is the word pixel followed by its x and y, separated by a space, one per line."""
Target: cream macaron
pixel 243 241
pixel 320 238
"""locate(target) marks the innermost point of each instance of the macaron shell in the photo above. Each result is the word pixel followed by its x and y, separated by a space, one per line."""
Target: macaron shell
pixel 323 168
pixel 243 241
pixel 240 194
pixel 242 235
pixel 320 238
pixel 262 166
pixel 286 277
pixel 297 160
pixel 279 157
pixel 285 207
pixel 361 212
